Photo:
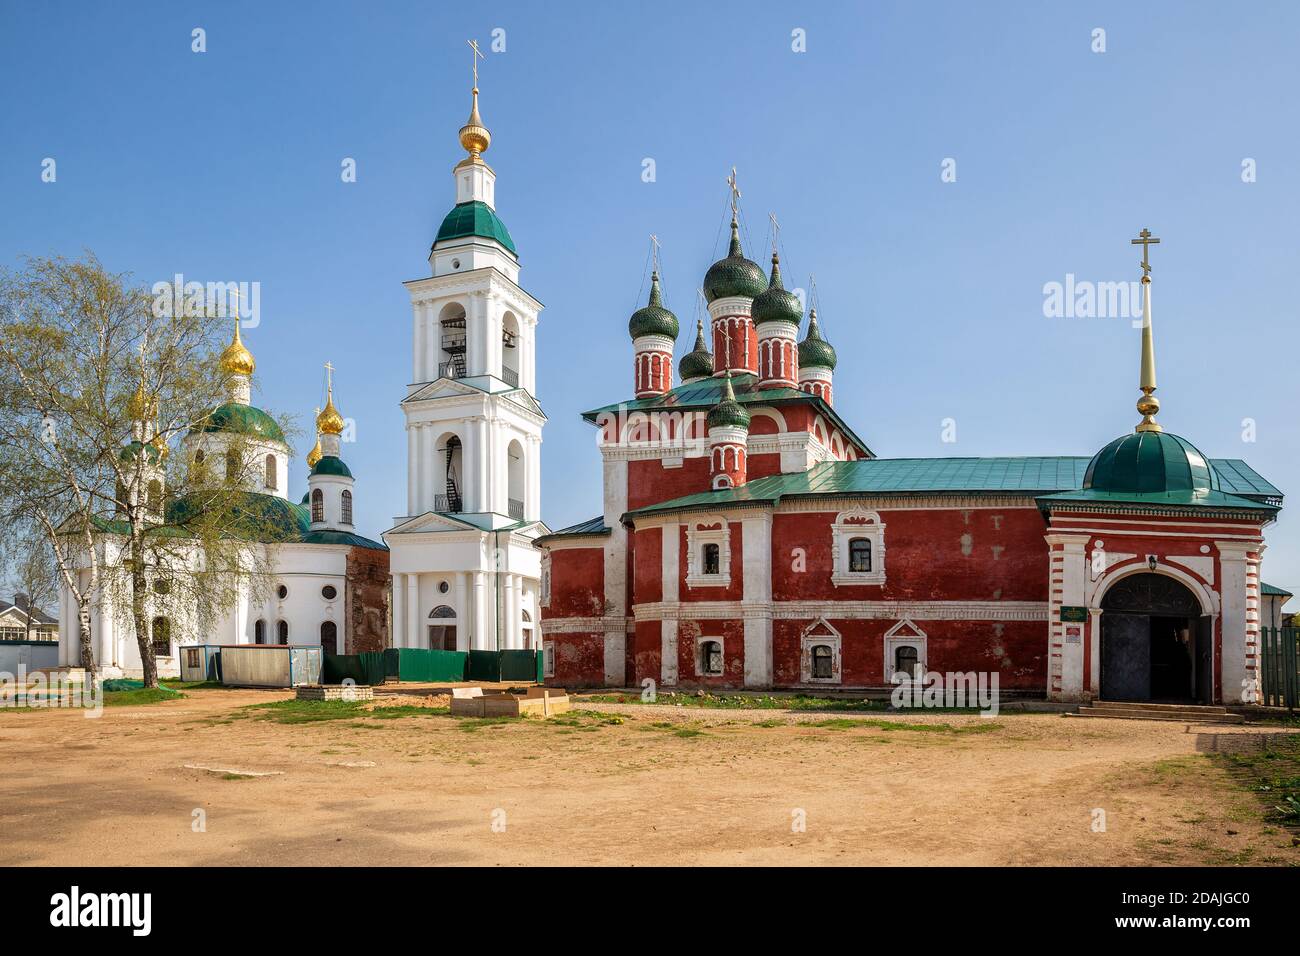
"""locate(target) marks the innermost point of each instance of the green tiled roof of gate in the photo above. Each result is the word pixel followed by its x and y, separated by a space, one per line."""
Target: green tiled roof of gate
pixel 1057 477
pixel 1269 590
pixel 704 394
pixel 474 218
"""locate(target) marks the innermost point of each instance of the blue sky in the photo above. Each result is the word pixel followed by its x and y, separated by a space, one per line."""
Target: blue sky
pixel 225 165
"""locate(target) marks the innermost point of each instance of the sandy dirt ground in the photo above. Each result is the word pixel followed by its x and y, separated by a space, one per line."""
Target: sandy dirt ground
pixel 619 784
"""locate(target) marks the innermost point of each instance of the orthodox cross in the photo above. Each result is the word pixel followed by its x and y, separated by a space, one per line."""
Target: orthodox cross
pixel 478 55
pixel 329 378
pixel 234 294
pixel 1145 241
pixel 654 253
pixel 735 192
pixel 776 231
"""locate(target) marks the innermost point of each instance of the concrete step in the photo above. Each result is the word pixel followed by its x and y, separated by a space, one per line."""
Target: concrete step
pixel 1192 715
pixel 1152 707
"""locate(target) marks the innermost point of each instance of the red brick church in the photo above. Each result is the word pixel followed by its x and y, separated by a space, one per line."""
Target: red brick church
pixel 750 538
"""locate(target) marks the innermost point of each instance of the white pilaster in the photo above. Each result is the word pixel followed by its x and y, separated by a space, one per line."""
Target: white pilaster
pixel 413 610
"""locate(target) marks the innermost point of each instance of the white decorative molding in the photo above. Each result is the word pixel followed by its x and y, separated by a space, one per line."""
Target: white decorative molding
pixel 586 625
pixel 843 610
pixel 710 529
pixel 1203 567
pixel 818 633
pixel 857 522
pixel 904 634
pixel 700 641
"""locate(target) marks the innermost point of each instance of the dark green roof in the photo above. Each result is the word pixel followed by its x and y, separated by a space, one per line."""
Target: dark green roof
pixel 653 318
pixel 1269 590
pixel 704 394
pixel 331 465
pixel 728 413
pixel 474 218
pixel 592 526
pixel 697 363
pixel 242 420
pixel 775 304
pixel 1045 478
pixel 132 449
pixel 734 275
pixel 1150 463
pixel 342 537
pixel 815 351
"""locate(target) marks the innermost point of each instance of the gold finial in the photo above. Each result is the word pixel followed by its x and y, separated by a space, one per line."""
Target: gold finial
pixel 138 406
pixel 1148 405
pixel 236 360
pixel 329 421
pixel 315 454
pixel 474 136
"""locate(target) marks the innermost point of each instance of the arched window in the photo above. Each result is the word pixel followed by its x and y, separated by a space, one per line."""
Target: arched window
pixel 155 497
pixel 905 658
pixel 282 632
pixel 452 338
pixel 527 630
pixel 329 637
pixel 198 457
pixel 259 632
pixel 347 506
pixel 823 661
pixel 710 662
pixel 270 473
pixel 712 559
pixel 442 633
pixel 860 554
pixel 317 505
pixel 515 478
pixel 510 349
pixel 160 633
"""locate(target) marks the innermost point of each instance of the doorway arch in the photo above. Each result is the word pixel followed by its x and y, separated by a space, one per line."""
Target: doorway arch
pixel 1156 641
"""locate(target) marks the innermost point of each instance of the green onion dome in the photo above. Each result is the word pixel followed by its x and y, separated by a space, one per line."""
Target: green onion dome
pixel 728 412
pixel 815 351
pixel 241 420
pixel 1150 462
pixel 653 319
pixel 331 465
pixel 775 304
pixel 697 363
pixel 734 275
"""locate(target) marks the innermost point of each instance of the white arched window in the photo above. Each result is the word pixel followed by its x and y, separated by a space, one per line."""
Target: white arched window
pixel 317 505
pixel 510 349
pixel 515 480
pixel 271 481
pixel 347 506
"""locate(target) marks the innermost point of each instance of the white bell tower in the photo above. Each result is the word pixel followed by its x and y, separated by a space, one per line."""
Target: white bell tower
pixel 474 431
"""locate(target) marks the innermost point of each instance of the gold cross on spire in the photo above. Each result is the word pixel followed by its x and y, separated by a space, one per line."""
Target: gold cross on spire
pixel 478 55
pixel 329 377
pixel 735 192
pixel 1146 241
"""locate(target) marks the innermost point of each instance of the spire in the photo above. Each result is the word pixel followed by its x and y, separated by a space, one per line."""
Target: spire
pixel 815 351
pixel 474 136
pixel 728 412
pixel 1148 405
pixel 697 363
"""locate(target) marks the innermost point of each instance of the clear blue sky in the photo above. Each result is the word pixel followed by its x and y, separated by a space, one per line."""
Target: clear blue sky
pixel 225 165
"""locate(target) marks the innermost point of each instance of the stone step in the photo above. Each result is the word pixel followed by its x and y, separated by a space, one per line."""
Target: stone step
pixel 1175 708
pixel 1120 713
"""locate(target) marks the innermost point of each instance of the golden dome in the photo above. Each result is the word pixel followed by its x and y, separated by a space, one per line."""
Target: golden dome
pixel 157 442
pixel 474 136
pixel 329 421
pixel 237 360
pixel 315 454
pixel 139 407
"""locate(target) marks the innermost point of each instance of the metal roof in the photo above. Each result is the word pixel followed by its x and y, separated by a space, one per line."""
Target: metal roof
pixel 1270 590
pixel 592 526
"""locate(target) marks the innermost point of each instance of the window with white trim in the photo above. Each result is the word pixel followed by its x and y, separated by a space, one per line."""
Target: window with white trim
pixel 858 548
pixel 708 657
pixel 708 552
pixel 820 657
pixel 905 646
pixel 548 659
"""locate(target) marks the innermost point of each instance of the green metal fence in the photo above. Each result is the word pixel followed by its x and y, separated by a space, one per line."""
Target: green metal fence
pixel 421 664
pixel 1280 667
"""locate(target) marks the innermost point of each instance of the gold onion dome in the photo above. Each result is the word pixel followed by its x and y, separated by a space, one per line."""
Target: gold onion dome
pixel 474 136
pixel 329 421
pixel 138 406
pixel 237 360
pixel 315 454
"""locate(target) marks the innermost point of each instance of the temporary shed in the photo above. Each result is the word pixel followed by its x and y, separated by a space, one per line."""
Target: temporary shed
pixel 270 665
pixel 201 662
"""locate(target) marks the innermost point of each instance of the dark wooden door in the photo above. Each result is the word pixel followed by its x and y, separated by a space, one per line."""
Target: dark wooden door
pixel 1204 650
pixel 329 637
pixel 1125 656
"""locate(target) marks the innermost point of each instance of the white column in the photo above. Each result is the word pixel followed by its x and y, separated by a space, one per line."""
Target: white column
pixel 464 612
pixel 412 472
pixel 671 568
pixel 397 636
pixel 485 499
pixel 509 613
pixel 417 341
pixel 1233 618
pixel 756 535
pixel 479 612
pixel 433 343
pixel 413 610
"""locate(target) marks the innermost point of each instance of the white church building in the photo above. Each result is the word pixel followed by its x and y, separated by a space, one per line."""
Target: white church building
pixel 465 572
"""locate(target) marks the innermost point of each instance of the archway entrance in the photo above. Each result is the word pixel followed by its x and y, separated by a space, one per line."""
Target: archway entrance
pixel 1156 645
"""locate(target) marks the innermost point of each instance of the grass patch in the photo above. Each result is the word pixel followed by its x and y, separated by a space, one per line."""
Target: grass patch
pixel 145 695
pixel 471 724
pixel 742 702
pixel 845 723
pixel 1273 775
pixel 308 711
pixel 235 776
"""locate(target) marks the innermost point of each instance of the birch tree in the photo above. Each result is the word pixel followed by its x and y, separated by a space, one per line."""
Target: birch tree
pixel 101 380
